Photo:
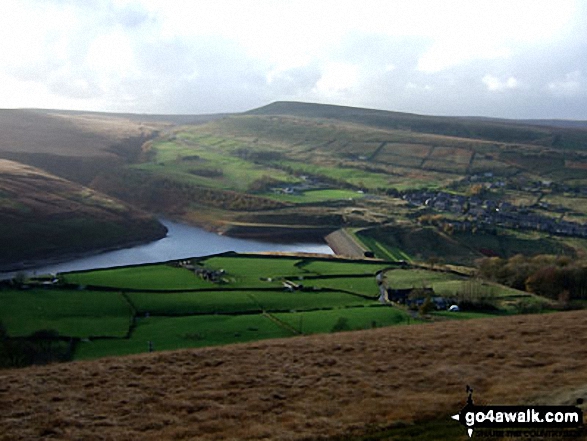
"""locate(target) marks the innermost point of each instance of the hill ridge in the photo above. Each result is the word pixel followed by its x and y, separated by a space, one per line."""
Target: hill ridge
pixel 557 135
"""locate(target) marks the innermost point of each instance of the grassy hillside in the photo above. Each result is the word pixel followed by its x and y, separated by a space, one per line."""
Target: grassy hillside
pixel 427 243
pixel 294 169
pixel 383 384
pixel 290 171
pixel 45 216
pixel 546 133
pixel 79 145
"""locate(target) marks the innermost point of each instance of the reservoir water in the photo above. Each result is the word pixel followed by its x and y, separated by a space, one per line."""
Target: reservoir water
pixel 182 241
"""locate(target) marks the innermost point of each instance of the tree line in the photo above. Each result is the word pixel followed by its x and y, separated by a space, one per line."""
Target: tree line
pixel 556 277
pixel 42 347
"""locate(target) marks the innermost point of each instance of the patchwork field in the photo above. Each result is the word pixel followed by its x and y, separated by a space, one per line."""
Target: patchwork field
pixel 288 171
pixel 327 162
pixel 79 314
pixel 463 248
pixel 201 302
pixel 225 299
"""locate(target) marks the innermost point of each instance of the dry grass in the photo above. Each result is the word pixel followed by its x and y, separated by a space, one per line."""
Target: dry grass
pixel 44 216
pixel 301 388
pixel 77 135
pixel 576 165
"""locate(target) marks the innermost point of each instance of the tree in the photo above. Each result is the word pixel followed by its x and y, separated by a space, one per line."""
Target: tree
pixel 342 324
pixel 476 190
pixel 545 282
pixel 19 279
pixel 426 307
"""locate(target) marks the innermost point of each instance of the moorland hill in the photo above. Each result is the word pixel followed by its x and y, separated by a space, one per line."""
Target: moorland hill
pixel 548 133
pixel 44 216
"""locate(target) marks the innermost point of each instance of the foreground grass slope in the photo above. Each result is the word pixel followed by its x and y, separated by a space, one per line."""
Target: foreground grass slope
pixel 311 387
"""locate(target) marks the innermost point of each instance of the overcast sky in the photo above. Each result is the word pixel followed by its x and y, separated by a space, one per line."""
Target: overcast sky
pixel 501 58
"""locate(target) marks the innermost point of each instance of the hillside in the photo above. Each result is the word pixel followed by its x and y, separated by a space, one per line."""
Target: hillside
pixel 290 170
pixel 79 145
pixel 548 133
pixel 45 216
pixel 299 171
pixel 318 387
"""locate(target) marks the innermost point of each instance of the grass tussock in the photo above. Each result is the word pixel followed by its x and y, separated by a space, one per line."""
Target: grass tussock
pixel 337 386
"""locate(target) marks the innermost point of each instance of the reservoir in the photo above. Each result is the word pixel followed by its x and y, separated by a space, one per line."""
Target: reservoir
pixel 182 241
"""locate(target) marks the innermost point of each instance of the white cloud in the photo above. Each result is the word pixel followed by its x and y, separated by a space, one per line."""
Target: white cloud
pixel 228 55
pixel 572 83
pixel 495 84
pixel 337 77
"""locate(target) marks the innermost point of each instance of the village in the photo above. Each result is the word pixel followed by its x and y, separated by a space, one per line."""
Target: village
pixel 482 213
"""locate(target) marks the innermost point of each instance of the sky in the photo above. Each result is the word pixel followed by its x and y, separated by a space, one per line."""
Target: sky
pixel 497 58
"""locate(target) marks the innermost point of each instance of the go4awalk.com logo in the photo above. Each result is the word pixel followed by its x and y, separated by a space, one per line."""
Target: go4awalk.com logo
pixel 536 420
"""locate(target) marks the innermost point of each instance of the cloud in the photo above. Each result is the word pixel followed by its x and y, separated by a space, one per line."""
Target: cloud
pixel 294 82
pixel 337 77
pixel 573 83
pixel 489 57
pixel 494 84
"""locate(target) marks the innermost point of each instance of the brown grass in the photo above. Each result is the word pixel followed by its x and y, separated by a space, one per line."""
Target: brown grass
pixel 417 150
pixel 44 216
pixel 57 133
pixel 576 165
pixel 457 155
pixel 301 388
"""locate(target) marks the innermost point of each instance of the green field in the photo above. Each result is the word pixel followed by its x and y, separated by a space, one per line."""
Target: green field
pixel 462 315
pixel 450 285
pixel 140 277
pixel 203 302
pixel 255 271
pixel 365 286
pixel 382 250
pixel 326 267
pixel 79 314
pixel 205 162
pixel 418 278
pixel 315 322
pixel 173 308
pixel 185 332
pixel 262 297
pixel 302 301
pixel 235 302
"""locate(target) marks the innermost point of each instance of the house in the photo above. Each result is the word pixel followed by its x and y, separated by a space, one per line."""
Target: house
pixel 214 276
pixel 290 286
